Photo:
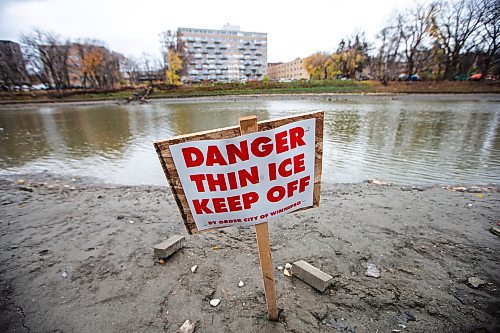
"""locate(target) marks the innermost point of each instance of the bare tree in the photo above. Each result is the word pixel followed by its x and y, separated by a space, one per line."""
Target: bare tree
pixel 47 56
pixel 488 46
pixel 388 52
pixel 455 28
pixel 129 66
pixel 414 25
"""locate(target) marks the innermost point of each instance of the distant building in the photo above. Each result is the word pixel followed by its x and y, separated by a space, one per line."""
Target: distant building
pixel 222 55
pixel 293 70
pixel 12 65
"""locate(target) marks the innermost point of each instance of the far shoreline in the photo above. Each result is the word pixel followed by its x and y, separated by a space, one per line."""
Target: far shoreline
pixel 241 97
pixel 295 89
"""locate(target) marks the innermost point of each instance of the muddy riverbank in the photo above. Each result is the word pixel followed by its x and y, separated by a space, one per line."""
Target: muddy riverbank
pixel 77 256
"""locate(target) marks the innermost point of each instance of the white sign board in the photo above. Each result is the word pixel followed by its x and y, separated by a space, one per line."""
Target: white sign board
pixel 248 179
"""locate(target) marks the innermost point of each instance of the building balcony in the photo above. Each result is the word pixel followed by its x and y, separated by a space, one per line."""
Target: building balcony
pixel 223 46
pixel 210 46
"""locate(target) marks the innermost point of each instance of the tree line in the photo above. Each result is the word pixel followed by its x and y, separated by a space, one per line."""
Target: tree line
pixel 60 63
pixel 63 63
pixel 440 40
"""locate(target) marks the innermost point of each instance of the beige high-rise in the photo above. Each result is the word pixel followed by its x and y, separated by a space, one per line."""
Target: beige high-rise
pixel 226 55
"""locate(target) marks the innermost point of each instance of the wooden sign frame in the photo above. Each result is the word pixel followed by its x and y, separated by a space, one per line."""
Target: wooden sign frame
pixel 167 162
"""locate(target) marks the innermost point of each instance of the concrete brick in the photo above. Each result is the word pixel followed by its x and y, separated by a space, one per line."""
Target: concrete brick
pixel 170 246
pixel 311 275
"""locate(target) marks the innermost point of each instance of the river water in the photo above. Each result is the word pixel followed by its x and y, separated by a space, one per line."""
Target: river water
pixel 408 140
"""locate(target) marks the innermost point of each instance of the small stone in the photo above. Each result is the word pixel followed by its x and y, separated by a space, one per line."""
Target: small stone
pixel 25 188
pixel 288 266
pixel 215 302
pixel 474 189
pixel 495 230
pixel 120 217
pixel 193 269
pixel 372 271
pixel 311 275
pixel 64 274
pixel 241 284
pixel 459 189
pixel 280 268
pixel 131 222
pixel 187 327
pixel 286 272
pixel 20 181
pixel 161 261
pixel 169 246
pixel 475 281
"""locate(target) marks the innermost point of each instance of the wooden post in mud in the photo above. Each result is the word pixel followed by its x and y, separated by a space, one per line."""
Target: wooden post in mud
pixel 249 125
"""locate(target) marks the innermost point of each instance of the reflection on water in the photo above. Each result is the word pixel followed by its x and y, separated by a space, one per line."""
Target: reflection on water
pixel 406 140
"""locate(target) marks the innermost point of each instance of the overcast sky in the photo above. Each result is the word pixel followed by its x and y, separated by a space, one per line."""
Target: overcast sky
pixel 295 29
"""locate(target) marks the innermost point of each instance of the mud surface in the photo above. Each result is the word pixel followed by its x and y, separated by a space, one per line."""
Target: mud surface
pixel 77 257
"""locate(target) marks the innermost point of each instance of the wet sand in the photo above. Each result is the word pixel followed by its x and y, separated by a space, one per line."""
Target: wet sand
pixel 77 256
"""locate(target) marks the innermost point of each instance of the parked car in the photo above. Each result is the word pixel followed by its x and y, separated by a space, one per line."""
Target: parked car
pixel 461 77
pixel 414 77
pixel 475 77
pixel 402 77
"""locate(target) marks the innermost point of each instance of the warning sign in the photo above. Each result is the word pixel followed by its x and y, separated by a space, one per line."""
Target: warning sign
pixel 248 179
pixel 245 179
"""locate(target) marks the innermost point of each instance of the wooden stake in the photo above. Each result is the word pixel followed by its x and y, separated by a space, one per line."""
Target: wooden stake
pixel 249 125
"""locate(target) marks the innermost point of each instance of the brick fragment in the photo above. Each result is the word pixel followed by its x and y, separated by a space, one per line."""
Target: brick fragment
pixel 311 275
pixel 168 247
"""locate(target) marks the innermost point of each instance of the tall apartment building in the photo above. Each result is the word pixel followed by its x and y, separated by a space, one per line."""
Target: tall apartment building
pixel 293 70
pixel 222 55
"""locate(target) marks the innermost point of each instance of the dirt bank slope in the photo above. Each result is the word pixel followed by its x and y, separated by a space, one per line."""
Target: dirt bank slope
pixel 80 260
